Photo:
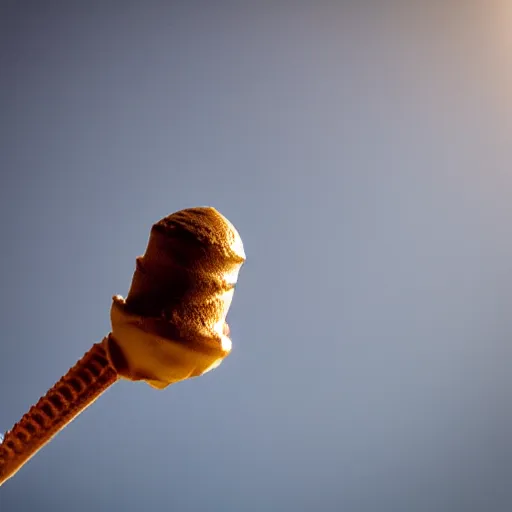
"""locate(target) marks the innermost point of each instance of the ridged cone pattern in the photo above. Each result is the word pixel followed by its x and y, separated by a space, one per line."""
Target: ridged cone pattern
pixel 74 392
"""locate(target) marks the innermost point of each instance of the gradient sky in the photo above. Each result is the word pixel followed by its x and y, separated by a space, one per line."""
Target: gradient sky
pixel 365 155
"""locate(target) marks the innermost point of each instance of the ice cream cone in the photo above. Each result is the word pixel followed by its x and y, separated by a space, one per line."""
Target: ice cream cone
pixel 171 327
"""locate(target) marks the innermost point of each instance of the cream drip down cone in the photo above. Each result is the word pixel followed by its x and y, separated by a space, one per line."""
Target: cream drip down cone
pixel 172 326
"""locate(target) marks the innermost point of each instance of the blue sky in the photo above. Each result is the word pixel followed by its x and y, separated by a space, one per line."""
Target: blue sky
pixel 363 152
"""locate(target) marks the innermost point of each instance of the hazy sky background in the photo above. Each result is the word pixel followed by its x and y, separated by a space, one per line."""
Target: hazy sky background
pixel 364 153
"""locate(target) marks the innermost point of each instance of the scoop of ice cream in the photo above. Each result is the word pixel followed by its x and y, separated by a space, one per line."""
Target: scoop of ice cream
pixel 172 325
